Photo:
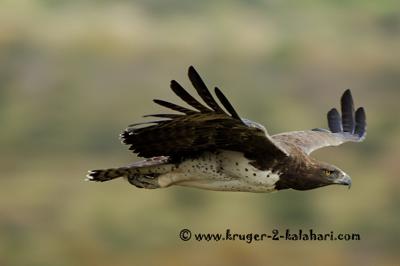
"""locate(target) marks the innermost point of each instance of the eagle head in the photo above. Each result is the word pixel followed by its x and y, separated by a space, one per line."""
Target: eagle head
pixel 317 175
pixel 326 174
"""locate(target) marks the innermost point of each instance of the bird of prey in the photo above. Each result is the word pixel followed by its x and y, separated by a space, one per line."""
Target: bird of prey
pixel 211 148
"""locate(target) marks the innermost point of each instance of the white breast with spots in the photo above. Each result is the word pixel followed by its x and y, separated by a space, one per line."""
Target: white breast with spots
pixel 227 171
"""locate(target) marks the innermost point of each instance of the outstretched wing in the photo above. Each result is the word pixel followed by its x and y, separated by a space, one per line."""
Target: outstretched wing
pixel 206 128
pixel 351 126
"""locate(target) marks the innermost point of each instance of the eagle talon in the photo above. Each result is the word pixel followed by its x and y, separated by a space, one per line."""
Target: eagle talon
pixel 141 181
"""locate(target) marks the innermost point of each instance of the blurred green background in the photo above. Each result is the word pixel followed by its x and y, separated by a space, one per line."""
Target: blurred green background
pixel 73 74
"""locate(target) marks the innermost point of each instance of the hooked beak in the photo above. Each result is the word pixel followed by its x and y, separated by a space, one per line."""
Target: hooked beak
pixel 343 180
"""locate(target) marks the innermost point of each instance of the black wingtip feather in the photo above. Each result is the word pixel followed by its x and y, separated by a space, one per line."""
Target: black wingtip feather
pixel 174 107
pixel 353 122
pixel 202 90
pixel 347 92
pixel 348 112
pixel 186 97
pixel 334 121
pixel 361 124
pixel 225 102
pixel 171 116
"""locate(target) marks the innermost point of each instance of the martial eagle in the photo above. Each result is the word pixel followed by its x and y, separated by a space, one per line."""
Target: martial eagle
pixel 211 148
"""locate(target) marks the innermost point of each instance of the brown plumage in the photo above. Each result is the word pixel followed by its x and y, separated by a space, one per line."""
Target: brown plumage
pixel 209 137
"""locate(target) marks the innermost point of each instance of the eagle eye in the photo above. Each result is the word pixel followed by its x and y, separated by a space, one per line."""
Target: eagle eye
pixel 328 172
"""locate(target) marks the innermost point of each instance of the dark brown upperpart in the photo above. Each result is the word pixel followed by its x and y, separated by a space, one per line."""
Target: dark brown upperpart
pixel 207 127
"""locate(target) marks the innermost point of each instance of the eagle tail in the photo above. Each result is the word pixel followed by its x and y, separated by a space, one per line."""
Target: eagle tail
pixel 103 175
pixel 149 167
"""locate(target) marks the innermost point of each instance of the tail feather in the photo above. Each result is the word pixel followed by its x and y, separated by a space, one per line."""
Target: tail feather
pixel 151 167
pixel 107 174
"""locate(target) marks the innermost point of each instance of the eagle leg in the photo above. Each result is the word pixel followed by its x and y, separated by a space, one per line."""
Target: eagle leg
pixel 144 181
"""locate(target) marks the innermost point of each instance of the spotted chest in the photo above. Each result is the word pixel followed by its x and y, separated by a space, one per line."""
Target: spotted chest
pixel 225 170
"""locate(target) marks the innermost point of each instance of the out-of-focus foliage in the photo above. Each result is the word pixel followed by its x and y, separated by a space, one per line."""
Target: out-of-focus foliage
pixel 75 73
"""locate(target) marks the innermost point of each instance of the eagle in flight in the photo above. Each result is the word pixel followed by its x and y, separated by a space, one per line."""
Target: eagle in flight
pixel 211 148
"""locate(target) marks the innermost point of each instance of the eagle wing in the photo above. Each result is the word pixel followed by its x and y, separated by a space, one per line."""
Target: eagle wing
pixel 351 126
pixel 207 128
